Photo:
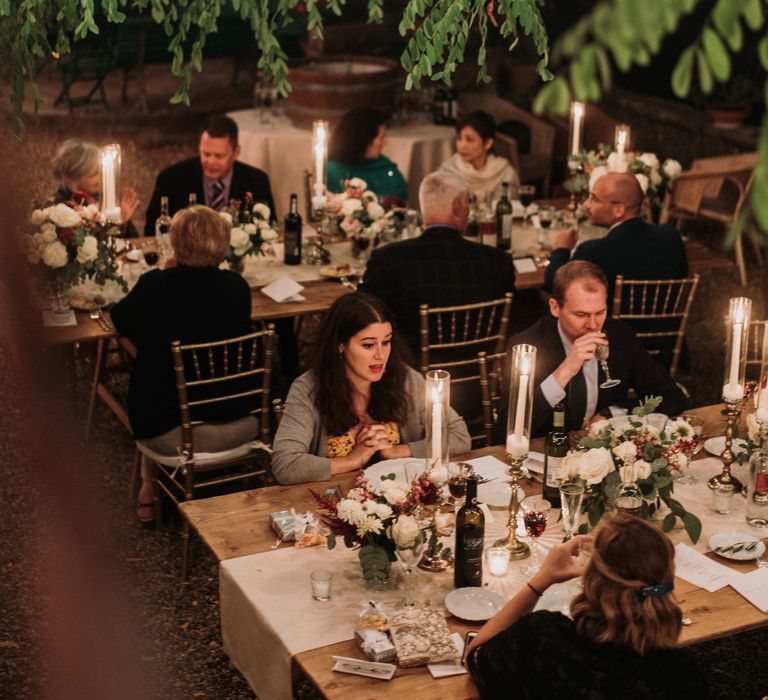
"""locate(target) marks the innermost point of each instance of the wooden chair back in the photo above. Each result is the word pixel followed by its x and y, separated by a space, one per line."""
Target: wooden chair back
pixel 491 374
pixel 755 347
pixel 658 310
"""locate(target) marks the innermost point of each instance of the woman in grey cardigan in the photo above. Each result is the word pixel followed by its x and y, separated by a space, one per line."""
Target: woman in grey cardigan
pixel 360 400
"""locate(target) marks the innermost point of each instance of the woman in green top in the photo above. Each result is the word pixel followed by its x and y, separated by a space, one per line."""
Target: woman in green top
pixel 355 151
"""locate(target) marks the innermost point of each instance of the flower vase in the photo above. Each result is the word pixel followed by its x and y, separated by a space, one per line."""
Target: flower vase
pixel 375 564
pixel 59 301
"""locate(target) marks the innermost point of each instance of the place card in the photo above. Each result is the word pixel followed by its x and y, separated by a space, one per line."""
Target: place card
pixel 449 669
pixel 524 265
pixel 358 667
pixel 699 570
pixel 284 289
pixel 753 586
pixel 52 319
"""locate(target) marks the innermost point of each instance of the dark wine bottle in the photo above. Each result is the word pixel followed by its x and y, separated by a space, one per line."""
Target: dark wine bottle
pixel 292 235
pixel 470 531
pixel 504 219
pixel 555 448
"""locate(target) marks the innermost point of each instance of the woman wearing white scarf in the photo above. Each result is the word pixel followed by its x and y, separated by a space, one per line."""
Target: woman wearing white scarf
pixel 474 164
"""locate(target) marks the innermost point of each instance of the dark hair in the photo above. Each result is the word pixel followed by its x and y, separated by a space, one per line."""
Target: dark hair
pixel 220 125
pixel 574 271
pixel 351 136
pixel 628 555
pixel 480 121
pixel 347 316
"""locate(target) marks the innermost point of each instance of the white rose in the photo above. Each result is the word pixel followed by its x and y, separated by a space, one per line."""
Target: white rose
pixel 91 212
pixel 375 210
pixel 595 465
pixel 348 206
pixel 381 510
pixel 238 238
pixel 38 216
pixel 394 491
pixel 625 451
pixel 596 428
pixel 357 183
pixel 643 181
pixel 262 211
pixel 671 168
pixel 31 249
pixel 268 235
pixel 55 255
pixel 351 226
pixel 650 160
pixel 597 173
pixel 642 469
pixel 89 250
pixel 350 511
pixel 681 460
pixel 753 428
pixel 369 196
pixel 655 178
pixel 249 228
pixel 617 163
pixel 226 216
pixel 48 235
pixel 570 468
pixel 64 216
pixel 405 531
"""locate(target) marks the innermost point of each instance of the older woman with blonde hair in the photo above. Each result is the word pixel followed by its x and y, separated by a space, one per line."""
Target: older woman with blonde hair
pixel 194 302
pixel 622 636
pixel 77 168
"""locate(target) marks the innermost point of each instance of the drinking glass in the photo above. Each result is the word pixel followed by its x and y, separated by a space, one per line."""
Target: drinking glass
pixel 409 557
pixel 526 194
pixel 697 426
pixel 457 483
pixel 546 218
pixel 571 498
pixel 322 584
pixel 535 511
pixel 601 353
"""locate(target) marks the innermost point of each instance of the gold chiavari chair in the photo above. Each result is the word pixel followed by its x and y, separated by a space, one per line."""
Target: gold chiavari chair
pixel 225 372
pixel 491 373
pixel 658 310
pixel 450 339
pixel 755 347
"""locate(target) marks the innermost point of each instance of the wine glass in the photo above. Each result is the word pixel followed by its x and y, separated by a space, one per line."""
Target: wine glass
pixel 526 194
pixel 601 353
pixel 535 510
pixel 697 426
pixel 457 483
pixel 571 499
pixel 409 557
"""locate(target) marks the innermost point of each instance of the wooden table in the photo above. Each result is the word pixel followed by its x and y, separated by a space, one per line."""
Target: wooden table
pixel 238 525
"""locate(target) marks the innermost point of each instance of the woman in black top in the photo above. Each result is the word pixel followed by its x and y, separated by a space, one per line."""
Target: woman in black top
pixel 194 302
pixel 622 638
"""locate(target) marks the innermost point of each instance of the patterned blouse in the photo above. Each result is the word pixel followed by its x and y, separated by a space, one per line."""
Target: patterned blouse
pixel 342 445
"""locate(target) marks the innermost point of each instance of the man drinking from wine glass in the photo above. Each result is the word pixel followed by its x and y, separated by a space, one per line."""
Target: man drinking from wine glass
pixel 567 367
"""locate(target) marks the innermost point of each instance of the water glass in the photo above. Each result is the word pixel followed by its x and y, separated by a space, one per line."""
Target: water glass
pixel 571 498
pixel 498 560
pixel 414 469
pixel 322 584
pixel 722 498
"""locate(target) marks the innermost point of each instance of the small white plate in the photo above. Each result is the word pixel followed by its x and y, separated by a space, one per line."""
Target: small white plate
pixel 731 537
pixel 496 493
pixel 558 597
pixel 716 445
pixel 473 603
pixel 334 272
pixel 387 467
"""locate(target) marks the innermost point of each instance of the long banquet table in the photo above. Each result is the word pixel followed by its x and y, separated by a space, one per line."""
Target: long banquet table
pixel 272 628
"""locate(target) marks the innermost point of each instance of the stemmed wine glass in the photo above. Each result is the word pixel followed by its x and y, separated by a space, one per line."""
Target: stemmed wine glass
pixel 697 426
pixel 601 353
pixel 457 483
pixel 526 194
pixel 409 557
pixel 535 510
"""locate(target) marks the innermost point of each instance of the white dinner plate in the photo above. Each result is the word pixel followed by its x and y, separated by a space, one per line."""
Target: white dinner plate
pixel 716 445
pixel 496 493
pixel 387 467
pixel 558 597
pixel 473 603
pixel 732 537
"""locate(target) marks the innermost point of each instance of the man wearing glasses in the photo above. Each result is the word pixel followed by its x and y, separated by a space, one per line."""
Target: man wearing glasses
pixel 633 247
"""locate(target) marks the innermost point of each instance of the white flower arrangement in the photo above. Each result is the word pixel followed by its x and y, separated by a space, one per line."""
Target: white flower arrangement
pixel 251 231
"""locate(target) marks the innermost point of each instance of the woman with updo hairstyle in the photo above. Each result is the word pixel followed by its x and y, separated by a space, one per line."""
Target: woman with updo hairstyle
pixel 355 151
pixel 474 161
pixel 193 302
pixel 359 403
pixel 77 169
pixel 622 635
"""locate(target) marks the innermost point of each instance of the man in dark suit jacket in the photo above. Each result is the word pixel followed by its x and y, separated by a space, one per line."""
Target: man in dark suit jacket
pixel 566 368
pixel 633 247
pixel 440 267
pixel 215 176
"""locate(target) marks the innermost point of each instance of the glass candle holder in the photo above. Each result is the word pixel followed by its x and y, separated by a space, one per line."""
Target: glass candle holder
pixel 437 399
pixel 498 560
pixel 761 392
pixel 522 374
pixel 737 333
pixel 320 133
pixel 576 130
pixel 621 139
pixel 110 182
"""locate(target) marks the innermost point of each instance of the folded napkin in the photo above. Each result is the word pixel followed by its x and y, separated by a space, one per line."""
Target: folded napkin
pixel 284 289
pixel 421 636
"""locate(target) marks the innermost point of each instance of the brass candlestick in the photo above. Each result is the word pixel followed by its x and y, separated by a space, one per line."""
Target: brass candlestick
pixel 434 559
pixel 732 411
pixel 517 549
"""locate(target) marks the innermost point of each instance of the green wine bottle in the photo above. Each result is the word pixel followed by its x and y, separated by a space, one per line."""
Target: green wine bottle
pixel 555 448
pixel 470 531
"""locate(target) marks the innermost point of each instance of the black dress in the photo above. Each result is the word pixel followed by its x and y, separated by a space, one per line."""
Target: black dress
pixel 190 304
pixel 542 656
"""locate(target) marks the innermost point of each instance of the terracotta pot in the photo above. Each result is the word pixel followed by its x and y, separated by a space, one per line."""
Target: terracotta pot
pixel 728 118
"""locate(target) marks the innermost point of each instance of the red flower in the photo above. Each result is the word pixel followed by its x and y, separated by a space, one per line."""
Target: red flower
pixel 81 197
pixel 66 236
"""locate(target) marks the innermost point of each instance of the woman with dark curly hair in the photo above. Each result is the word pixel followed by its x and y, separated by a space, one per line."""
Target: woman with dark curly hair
pixel 360 400
pixel 474 162
pixel 622 638
pixel 355 151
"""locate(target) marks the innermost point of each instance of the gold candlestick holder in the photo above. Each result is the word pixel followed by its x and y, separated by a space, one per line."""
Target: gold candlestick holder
pixel 732 412
pixel 517 549
pixel 434 558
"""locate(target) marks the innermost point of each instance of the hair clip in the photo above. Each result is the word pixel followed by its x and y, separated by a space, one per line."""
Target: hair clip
pixel 658 589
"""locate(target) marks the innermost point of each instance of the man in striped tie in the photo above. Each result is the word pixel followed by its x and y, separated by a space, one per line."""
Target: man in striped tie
pixel 215 176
